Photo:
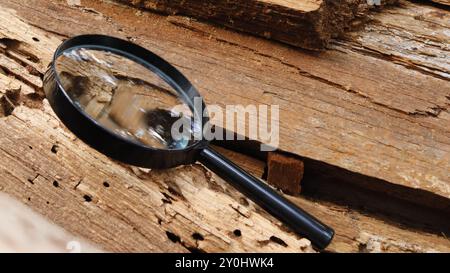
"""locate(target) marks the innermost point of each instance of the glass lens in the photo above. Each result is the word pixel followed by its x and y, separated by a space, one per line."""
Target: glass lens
pixel 126 97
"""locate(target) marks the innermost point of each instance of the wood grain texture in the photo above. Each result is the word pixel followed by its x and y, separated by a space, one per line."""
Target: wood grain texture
pixel 284 172
pixel 123 208
pixel 306 23
pixel 443 2
pixel 253 165
pixel 360 106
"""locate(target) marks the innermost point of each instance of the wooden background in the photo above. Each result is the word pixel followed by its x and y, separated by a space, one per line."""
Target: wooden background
pixel 369 117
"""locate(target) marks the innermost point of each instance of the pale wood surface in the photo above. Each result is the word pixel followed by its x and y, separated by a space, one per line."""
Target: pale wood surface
pixel 378 113
pixel 127 209
pixel 443 2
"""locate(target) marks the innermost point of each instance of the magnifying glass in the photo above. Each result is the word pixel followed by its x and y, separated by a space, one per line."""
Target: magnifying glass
pixel 135 107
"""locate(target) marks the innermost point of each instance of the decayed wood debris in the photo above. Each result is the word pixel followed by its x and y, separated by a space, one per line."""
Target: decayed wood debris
pixel 340 106
pixel 285 172
pixel 306 23
pixel 360 106
pixel 25 231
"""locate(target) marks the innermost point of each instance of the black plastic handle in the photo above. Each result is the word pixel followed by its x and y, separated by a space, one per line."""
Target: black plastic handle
pixel 299 220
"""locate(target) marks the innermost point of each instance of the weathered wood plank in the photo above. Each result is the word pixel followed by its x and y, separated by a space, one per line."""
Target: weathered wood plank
pixel 106 199
pixel 344 107
pixel 121 208
pixel 251 164
pixel 284 172
pixel 415 36
pixel 306 23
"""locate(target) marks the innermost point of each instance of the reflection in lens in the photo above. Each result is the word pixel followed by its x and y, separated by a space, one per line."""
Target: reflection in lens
pixel 125 97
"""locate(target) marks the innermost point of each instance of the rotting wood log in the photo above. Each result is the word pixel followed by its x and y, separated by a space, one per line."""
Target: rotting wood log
pixel 357 231
pixel 381 115
pixel 412 35
pixel 121 208
pixel 392 95
pixel 33 140
pixel 371 75
pixel 113 205
pixel 305 23
pixel 285 172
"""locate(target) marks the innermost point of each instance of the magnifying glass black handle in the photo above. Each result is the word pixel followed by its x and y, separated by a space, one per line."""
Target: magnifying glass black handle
pixel 299 220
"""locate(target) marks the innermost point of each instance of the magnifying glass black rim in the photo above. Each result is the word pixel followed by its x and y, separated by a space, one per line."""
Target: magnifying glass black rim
pixel 105 140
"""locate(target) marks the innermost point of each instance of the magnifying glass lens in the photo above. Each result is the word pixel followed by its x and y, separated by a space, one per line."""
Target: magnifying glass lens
pixel 125 97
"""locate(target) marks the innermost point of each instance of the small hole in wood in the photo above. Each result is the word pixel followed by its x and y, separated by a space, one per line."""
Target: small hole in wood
pixel 197 236
pixel 31 148
pixel 47 202
pixel 87 198
pixel 237 233
pixel 35 39
pixel 55 184
pixel 106 184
